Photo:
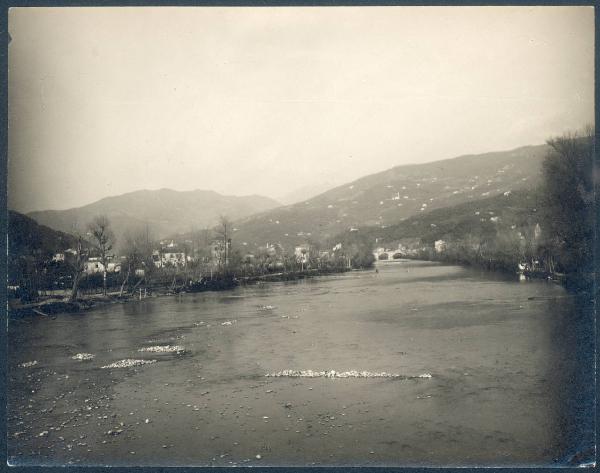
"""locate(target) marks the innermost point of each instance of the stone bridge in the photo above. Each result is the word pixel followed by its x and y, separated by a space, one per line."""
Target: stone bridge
pixel 382 254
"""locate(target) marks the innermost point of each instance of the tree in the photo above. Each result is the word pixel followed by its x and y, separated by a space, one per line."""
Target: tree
pixel 78 262
pixel 569 203
pixel 359 250
pixel 362 256
pixel 223 236
pixel 103 239
pixel 235 260
pixel 137 252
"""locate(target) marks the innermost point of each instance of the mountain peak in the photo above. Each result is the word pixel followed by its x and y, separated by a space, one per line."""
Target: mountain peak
pixel 165 211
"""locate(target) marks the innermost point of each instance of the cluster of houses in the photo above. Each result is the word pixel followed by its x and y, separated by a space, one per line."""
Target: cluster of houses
pixel 92 264
pixel 173 255
pixel 274 251
pixel 168 255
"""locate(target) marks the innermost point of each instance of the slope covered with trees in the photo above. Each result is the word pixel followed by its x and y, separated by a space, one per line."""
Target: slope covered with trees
pixel 498 232
pixel 31 247
pixel 27 237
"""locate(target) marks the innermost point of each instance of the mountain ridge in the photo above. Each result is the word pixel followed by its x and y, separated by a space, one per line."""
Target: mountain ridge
pixel 380 199
pixel 389 196
pixel 164 211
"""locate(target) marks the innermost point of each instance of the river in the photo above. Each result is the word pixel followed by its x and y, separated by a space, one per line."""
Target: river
pixel 510 365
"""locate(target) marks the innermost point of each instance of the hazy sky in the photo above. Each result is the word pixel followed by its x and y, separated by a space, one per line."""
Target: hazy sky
pixel 266 100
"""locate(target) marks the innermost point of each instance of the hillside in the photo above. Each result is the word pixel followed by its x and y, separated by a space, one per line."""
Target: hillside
pixel 482 220
pixel 26 237
pixel 387 197
pixel 164 211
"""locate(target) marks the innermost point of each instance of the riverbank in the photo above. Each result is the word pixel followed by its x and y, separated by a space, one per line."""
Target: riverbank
pixel 293 275
pixel 576 283
pixel 50 306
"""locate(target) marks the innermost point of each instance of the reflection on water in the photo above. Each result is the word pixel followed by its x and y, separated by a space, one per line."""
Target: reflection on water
pixel 511 366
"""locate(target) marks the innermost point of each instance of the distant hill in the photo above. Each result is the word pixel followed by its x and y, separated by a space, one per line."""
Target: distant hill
pixel 482 218
pixel 387 197
pixel 165 212
pixel 27 237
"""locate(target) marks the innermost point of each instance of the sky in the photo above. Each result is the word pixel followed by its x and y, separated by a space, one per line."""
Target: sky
pixel 104 101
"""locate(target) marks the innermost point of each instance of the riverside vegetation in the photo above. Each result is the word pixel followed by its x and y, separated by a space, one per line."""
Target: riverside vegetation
pixel 548 229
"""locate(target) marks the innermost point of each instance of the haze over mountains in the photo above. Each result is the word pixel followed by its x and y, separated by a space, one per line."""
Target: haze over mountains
pixel 390 196
pixel 165 212
pixel 304 193
pixel 379 200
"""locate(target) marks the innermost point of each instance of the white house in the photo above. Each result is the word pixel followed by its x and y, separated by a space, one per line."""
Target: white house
pixel 173 258
pixel 92 267
pixel 59 257
pixel 440 246
pixel 169 257
pixel 113 267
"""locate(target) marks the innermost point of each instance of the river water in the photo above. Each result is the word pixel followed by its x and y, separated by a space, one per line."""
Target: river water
pixel 509 361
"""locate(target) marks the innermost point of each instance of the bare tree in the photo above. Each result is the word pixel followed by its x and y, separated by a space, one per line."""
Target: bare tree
pixel 223 233
pixel 135 250
pixel 78 268
pixel 103 239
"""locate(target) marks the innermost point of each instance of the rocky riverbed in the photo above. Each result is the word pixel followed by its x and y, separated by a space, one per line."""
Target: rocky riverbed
pixel 419 364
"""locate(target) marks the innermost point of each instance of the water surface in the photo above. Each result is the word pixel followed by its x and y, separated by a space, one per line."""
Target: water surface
pixel 505 358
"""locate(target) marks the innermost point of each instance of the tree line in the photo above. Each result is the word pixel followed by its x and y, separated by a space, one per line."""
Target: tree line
pixel 547 231
pixel 556 239
pixel 211 253
pixel 570 208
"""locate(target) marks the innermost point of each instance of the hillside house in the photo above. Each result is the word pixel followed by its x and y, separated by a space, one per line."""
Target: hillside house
pixel 59 258
pixel 113 267
pixel 169 257
pixel 440 246
pixel 93 267
pixel 168 244
pixel 173 258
